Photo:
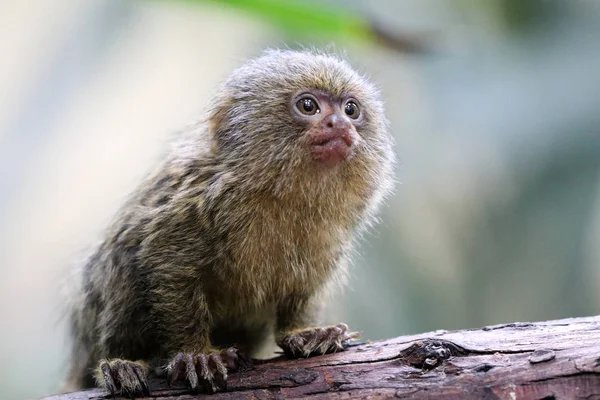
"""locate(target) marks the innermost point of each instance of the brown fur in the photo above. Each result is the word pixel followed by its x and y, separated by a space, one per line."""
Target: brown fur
pixel 238 232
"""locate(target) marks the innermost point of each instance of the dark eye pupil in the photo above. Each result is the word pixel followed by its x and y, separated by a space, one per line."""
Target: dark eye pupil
pixel 308 105
pixel 350 108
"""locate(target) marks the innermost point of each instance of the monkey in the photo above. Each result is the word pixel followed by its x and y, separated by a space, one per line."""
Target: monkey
pixel 245 225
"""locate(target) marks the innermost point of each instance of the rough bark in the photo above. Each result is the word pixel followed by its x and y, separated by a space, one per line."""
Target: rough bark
pixel 544 360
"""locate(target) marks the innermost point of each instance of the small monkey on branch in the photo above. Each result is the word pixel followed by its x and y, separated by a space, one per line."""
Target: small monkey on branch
pixel 239 232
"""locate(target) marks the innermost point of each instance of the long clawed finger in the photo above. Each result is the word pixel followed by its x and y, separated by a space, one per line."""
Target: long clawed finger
pixel 109 382
pixel 141 375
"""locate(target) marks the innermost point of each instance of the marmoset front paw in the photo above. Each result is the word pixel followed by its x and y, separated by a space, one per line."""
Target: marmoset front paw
pixel 123 377
pixel 204 371
pixel 316 341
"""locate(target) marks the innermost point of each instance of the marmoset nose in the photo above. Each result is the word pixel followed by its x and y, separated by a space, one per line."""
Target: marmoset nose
pixel 336 122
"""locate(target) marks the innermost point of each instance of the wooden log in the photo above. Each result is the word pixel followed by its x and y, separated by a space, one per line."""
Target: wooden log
pixel 544 360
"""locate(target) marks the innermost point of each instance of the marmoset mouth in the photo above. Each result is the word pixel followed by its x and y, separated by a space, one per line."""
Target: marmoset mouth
pixel 331 151
pixel 332 146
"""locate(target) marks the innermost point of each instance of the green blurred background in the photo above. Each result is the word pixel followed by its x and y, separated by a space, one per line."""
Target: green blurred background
pixel 495 107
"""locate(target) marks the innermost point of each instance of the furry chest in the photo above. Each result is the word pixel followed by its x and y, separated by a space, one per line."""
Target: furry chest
pixel 271 264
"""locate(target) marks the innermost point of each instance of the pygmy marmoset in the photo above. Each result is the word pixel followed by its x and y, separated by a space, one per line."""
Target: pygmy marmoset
pixel 239 232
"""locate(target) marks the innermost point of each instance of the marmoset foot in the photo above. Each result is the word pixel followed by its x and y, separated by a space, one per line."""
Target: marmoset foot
pixel 316 341
pixel 205 371
pixel 123 377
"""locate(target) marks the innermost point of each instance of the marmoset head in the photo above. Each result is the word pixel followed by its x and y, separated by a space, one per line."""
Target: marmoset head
pixel 302 118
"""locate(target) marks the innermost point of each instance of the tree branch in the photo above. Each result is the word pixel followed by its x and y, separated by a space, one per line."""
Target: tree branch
pixel 545 360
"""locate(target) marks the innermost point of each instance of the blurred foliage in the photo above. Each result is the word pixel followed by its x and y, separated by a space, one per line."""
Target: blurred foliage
pixel 518 16
pixel 522 16
pixel 321 21
pixel 303 18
